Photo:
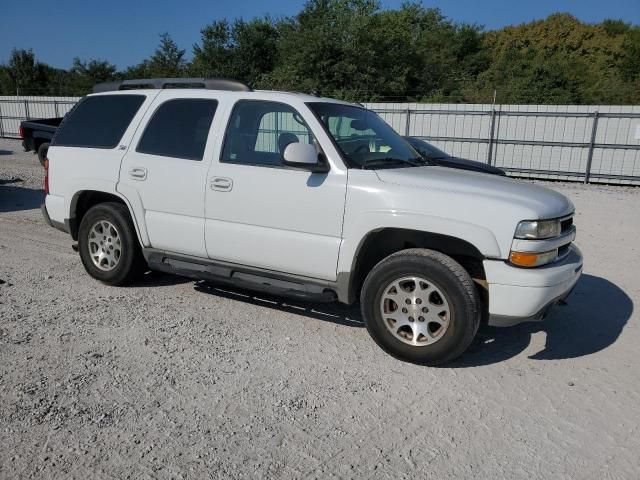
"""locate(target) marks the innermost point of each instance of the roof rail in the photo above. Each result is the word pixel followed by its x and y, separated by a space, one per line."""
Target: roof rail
pixel 160 83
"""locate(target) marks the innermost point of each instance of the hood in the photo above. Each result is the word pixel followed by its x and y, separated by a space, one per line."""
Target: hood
pixel 539 202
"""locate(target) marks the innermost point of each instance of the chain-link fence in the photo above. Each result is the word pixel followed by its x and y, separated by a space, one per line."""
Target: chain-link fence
pixel 560 142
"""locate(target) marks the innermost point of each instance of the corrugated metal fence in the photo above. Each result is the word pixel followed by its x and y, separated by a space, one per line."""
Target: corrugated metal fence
pixel 561 142
pixel 13 110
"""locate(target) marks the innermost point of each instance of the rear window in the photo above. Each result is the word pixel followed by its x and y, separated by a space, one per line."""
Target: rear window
pixel 98 122
pixel 179 129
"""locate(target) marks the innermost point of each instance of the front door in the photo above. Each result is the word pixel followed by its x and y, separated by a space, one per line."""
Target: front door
pixel 166 166
pixel 264 214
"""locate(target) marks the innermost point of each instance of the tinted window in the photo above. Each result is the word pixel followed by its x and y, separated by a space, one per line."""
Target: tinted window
pixel 98 122
pixel 179 128
pixel 258 133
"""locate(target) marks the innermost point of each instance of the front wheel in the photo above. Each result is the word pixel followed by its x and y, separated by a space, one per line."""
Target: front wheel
pixel 108 245
pixel 420 306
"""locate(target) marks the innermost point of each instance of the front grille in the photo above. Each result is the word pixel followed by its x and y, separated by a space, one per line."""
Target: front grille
pixel 566 224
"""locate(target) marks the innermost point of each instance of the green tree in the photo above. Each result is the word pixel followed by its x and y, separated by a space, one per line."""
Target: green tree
pixel 242 50
pixel 84 75
pixel 27 77
pixel 166 62
pixel 330 47
pixel 557 60
pixel 168 59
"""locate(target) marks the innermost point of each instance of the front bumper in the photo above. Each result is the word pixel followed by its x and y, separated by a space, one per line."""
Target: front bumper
pixel 519 295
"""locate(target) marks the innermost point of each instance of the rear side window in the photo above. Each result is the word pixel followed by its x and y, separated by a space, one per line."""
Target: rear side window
pixel 179 128
pixel 98 122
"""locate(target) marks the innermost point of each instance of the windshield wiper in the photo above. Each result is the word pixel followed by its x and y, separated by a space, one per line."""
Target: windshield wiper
pixel 414 162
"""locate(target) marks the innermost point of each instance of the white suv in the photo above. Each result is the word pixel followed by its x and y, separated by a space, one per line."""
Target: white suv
pixel 308 197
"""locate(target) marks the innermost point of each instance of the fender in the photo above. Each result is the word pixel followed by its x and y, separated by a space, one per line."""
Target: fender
pixel 132 201
pixel 369 222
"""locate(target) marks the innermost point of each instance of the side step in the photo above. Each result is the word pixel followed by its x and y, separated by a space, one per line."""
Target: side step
pixel 239 276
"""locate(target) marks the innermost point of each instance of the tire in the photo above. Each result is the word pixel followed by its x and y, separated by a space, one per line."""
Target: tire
pixel 433 290
pixel 42 152
pixel 107 227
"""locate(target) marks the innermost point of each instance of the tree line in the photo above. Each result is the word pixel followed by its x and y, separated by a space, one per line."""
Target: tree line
pixel 356 50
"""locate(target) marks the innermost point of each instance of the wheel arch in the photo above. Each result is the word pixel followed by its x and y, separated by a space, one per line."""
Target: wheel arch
pixel 379 244
pixel 83 200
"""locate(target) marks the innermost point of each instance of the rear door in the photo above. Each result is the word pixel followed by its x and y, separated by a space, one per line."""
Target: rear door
pixel 166 166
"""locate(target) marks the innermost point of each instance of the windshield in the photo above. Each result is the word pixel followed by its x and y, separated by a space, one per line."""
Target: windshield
pixel 364 139
pixel 427 150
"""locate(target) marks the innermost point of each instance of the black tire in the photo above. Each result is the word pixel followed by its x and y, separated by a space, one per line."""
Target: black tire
pixel 130 264
pixel 42 152
pixel 456 285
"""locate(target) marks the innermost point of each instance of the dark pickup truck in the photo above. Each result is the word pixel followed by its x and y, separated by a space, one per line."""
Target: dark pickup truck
pixel 37 134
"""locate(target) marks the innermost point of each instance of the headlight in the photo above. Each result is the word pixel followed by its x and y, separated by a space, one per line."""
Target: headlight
pixel 529 259
pixel 538 229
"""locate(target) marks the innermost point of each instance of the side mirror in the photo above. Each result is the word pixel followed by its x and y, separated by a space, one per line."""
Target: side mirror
pixel 304 155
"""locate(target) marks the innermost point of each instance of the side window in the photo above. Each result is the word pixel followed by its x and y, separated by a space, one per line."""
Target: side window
pixel 98 122
pixel 179 129
pixel 259 131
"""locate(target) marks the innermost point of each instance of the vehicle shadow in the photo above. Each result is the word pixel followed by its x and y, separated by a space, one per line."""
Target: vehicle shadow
pixel 347 315
pixel 6 152
pixel 158 279
pixel 593 319
pixel 13 199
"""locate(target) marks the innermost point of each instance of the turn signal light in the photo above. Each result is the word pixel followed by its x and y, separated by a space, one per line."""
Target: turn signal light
pixel 531 259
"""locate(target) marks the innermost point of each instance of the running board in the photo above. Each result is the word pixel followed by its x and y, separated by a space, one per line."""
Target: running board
pixel 247 278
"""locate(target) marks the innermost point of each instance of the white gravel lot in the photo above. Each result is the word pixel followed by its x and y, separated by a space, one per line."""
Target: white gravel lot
pixel 174 379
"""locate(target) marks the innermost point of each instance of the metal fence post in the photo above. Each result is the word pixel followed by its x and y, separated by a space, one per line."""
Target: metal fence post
pixel 26 109
pixel 406 124
pixel 1 122
pixel 492 129
pixel 55 107
pixel 594 130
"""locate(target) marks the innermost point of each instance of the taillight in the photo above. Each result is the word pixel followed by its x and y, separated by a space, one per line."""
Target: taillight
pixel 46 176
pixel 21 131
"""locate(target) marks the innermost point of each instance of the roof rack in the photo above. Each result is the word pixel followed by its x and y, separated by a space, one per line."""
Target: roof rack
pixel 160 83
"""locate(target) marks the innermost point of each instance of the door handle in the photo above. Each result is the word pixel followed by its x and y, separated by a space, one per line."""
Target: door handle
pixel 138 173
pixel 221 184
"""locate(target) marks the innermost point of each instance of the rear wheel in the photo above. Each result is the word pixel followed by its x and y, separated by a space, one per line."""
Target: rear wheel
pixel 421 306
pixel 108 245
pixel 42 152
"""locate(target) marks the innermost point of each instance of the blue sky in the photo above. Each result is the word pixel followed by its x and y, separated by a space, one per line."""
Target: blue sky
pixel 126 32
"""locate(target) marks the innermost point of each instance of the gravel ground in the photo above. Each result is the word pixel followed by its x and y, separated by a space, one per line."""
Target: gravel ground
pixel 175 379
